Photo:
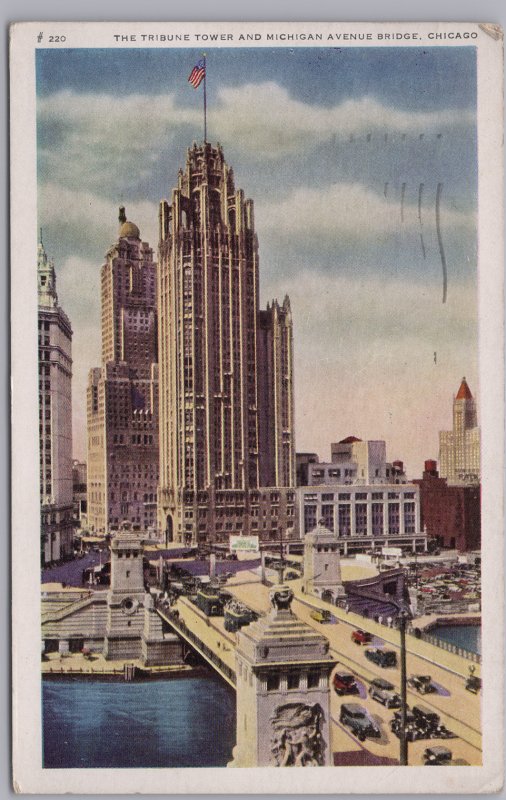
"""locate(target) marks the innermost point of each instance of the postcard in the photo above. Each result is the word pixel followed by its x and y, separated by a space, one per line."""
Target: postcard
pixel 257 404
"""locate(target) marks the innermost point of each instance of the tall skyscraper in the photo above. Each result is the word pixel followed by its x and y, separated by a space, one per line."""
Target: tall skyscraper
pixel 55 416
pixel 459 449
pixel 210 361
pixel 275 395
pixel 122 400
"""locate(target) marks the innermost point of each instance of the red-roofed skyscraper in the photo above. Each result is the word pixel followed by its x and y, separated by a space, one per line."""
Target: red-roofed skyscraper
pixel 459 449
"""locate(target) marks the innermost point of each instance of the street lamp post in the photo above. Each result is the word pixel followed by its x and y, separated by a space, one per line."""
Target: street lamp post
pixel 403 756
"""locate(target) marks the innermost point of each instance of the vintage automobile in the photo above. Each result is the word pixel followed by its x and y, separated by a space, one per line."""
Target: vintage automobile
pixel 383 658
pixel 412 731
pixel 425 715
pixel 422 683
pixel 384 692
pixel 437 756
pixel 320 615
pixel 361 637
pixel 430 725
pixel 344 683
pixel 356 718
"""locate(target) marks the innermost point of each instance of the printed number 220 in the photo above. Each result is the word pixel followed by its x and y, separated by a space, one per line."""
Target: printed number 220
pixel 57 39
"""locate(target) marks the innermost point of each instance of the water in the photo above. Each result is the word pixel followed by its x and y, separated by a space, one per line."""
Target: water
pixel 181 722
pixel 467 636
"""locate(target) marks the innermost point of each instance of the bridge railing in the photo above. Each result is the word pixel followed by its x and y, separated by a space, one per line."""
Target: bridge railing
pixel 183 628
pixel 448 646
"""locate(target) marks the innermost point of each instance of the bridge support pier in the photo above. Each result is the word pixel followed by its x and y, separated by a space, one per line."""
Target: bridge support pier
pixel 283 697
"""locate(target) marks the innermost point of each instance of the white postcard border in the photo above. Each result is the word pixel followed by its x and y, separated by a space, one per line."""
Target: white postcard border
pixel 28 774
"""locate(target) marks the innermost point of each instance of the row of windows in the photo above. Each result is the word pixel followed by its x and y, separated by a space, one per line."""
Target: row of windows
pixel 292 680
pixel 329 497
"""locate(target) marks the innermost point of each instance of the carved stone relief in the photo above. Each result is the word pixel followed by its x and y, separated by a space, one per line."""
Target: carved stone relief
pixel 297 739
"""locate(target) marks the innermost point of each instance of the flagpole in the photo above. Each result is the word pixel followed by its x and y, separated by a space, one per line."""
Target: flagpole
pixel 205 99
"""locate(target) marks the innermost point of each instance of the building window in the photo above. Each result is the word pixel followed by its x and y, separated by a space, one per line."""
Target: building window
pixel 409 518
pixel 309 518
pixel 272 682
pixel 361 519
pixel 344 520
pixel 293 680
pixel 328 517
pixel 393 518
pixel 377 519
pixel 313 679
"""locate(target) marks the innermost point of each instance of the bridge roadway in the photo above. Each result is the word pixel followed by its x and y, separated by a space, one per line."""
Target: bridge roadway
pixel 459 710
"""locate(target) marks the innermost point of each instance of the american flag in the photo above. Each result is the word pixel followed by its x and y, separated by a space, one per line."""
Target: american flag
pixel 197 74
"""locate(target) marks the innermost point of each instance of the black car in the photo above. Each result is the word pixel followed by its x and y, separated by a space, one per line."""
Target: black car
pixel 384 692
pixel 383 658
pixel 357 719
pixel 413 732
pixel 426 716
pixel 430 724
pixel 422 683
pixel 437 756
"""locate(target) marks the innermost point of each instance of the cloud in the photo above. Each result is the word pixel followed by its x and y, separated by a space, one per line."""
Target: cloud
pixel 78 288
pixel 88 141
pixel 86 223
pixel 266 119
pixel 380 359
pixel 348 209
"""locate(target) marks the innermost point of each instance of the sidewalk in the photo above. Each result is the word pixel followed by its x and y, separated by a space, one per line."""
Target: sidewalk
pixel 77 664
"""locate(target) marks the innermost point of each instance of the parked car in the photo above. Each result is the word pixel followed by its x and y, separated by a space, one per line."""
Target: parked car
pixel 422 683
pixel 383 658
pixel 356 718
pixel 437 756
pixel 344 683
pixel 384 692
pixel 320 615
pixel 361 637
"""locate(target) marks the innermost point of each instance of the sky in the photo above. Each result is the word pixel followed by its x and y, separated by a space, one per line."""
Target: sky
pixel 361 163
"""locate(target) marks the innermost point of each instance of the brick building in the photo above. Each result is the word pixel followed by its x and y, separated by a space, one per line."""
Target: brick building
pixel 450 514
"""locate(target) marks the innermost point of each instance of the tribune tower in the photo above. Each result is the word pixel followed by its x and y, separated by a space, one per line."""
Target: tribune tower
pixel 208 354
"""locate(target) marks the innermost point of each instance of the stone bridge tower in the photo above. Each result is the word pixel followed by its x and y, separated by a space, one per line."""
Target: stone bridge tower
pixel 125 599
pixel 283 698
pixel 322 565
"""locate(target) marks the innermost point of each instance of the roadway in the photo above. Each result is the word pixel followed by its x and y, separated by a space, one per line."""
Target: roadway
pixel 459 710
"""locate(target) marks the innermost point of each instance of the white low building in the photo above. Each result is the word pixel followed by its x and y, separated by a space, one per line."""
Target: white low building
pixel 364 516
